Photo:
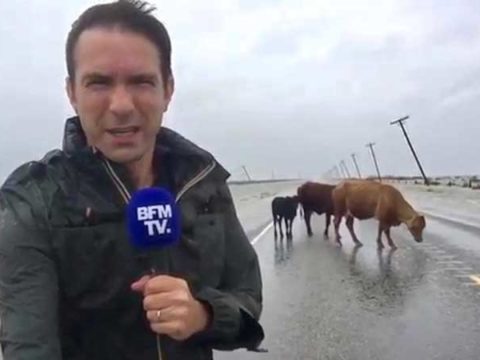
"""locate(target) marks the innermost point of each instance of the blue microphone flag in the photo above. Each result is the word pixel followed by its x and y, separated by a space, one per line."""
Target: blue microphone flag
pixel 153 218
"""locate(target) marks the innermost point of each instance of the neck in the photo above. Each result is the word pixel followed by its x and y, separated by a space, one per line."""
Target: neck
pixel 406 212
pixel 142 172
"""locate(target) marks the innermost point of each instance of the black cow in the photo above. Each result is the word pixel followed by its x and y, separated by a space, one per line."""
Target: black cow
pixel 284 208
pixel 316 197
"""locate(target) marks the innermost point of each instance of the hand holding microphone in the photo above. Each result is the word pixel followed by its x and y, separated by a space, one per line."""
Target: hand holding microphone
pixel 171 308
pixel 153 223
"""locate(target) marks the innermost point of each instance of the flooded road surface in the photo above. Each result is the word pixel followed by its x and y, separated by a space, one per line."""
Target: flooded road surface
pixel 421 301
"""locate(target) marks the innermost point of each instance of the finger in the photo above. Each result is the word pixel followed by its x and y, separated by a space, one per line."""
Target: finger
pixel 157 301
pixel 165 300
pixel 173 313
pixel 139 285
pixel 174 329
pixel 164 283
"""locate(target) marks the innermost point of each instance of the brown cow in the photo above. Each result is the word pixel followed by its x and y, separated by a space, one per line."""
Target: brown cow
pixel 316 197
pixel 364 199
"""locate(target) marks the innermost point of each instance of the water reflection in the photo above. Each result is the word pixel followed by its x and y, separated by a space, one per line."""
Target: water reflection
pixel 352 259
pixel 382 289
pixel 384 258
pixel 385 264
pixel 283 249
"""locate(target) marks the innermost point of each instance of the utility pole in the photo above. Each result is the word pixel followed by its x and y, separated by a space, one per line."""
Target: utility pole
pixel 370 145
pixel 342 170
pixel 402 126
pixel 356 166
pixel 337 171
pixel 246 173
pixel 331 173
pixel 346 169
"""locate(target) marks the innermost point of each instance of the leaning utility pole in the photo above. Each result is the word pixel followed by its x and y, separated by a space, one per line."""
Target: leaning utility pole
pixel 400 122
pixel 356 166
pixel 338 172
pixel 246 173
pixel 346 169
pixel 342 170
pixel 370 145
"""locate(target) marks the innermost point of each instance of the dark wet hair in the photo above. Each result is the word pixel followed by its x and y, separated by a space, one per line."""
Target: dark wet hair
pixel 132 15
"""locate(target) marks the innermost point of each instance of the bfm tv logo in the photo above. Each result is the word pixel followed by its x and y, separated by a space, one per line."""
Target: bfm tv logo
pixel 155 218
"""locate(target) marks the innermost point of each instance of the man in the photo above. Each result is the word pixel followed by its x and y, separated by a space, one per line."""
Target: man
pixel 71 285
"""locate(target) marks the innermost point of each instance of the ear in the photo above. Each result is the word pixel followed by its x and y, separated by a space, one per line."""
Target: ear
pixel 422 220
pixel 169 90
pixel 417 221
pixel 70 89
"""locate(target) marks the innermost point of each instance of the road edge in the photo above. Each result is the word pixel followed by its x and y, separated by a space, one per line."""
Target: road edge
pixel 462 224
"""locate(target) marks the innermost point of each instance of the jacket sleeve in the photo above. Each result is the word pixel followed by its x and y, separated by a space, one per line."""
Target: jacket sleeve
pixel 236 306
pixel 28 284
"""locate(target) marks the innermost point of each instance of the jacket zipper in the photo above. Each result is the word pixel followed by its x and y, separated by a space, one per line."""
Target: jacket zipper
pixel 123 190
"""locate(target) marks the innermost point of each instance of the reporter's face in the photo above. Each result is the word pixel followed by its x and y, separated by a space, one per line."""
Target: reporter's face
pixel 118 92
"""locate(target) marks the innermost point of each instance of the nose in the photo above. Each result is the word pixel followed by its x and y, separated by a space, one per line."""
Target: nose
pixel 121 102
pixel 419 239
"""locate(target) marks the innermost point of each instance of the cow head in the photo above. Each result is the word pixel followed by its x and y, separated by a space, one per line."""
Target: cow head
pixel 416 226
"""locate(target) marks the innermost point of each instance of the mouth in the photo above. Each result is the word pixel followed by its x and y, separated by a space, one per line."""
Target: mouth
pixel 123 131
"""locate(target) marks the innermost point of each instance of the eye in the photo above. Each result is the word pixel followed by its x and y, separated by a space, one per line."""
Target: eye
pixel 144 81
pixel 96 82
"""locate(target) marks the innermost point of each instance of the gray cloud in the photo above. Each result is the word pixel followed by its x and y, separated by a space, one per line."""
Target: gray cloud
pixel 283 86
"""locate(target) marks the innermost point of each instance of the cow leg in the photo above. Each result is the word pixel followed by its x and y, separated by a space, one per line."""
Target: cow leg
pixel 379 237
pixel 275 222
pixel 307 215
pixel 350 219
pixel 290 225
pixel 336 222
pixel 281 228
pixel 328 218
pixel 389 238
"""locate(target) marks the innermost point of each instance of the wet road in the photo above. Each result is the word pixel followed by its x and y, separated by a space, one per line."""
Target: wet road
pixel 325 302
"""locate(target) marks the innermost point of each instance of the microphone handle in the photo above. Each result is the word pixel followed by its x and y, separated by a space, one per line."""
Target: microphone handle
pixel 154 272
pixel 159 348
pixel 152 264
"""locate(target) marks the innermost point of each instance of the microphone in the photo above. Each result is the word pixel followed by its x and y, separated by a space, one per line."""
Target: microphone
pixel 153 220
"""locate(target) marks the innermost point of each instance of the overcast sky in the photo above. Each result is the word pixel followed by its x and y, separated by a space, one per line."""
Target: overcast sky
pixel 289 86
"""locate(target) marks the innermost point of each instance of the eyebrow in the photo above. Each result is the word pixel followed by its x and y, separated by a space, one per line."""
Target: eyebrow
pixel 143 77
pixel 109 78
pixel 96 76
